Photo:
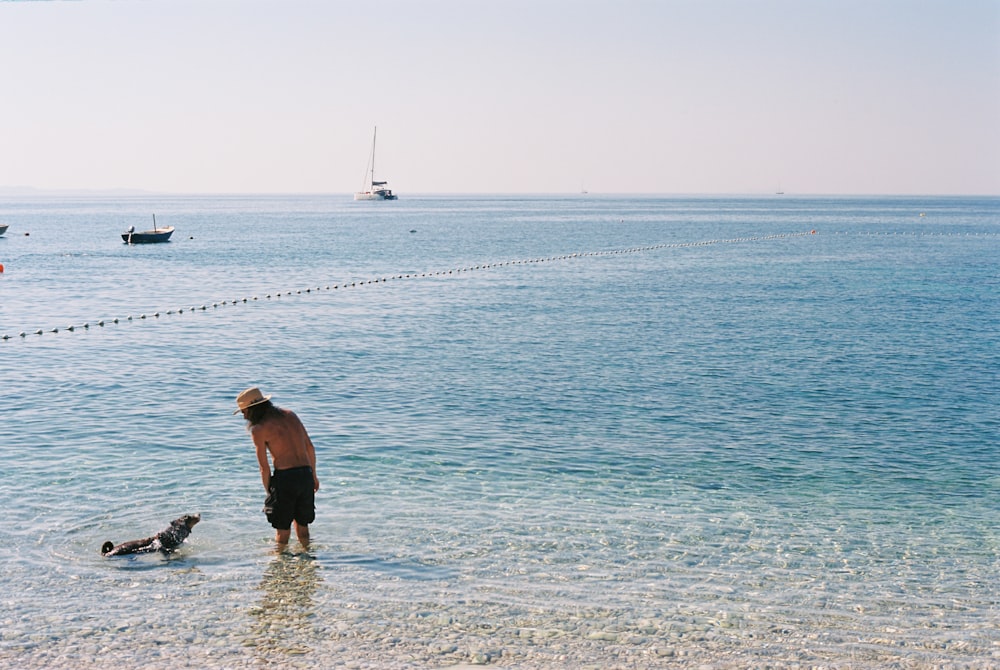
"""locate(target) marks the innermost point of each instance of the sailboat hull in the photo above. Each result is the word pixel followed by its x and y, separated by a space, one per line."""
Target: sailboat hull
pixel 375 195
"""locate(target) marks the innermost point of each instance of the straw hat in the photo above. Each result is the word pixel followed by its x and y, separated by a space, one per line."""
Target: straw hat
pixel 252 396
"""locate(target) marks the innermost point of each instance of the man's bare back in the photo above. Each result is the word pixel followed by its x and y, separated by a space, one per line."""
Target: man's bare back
pixel 283 436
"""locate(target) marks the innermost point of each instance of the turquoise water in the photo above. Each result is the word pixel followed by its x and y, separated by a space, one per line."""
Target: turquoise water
pixel 551 432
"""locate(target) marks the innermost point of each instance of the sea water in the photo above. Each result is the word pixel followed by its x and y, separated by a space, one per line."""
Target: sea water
pixel 551 432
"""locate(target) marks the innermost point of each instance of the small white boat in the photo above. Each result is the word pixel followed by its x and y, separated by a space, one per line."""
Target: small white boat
pixel 4 227
pixel 371 189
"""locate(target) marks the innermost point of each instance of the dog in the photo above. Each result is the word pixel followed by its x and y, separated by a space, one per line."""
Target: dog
pixel 166 540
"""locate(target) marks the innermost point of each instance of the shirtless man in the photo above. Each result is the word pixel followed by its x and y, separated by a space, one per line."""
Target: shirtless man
pixel 292 486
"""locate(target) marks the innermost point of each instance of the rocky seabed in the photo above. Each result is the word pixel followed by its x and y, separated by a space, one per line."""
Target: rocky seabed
pixel 430 639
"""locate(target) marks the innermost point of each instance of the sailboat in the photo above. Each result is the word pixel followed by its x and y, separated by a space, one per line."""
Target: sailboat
pixel 371 189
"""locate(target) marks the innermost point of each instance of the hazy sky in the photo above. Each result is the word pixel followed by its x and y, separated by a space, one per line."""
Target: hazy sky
pixel 503 96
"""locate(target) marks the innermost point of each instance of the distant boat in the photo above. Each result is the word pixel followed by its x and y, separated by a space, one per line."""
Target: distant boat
pixel 4 227
pixel 376 190
pixel 130 236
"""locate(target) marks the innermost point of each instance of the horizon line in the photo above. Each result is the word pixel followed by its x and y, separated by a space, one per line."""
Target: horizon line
pixel 6 191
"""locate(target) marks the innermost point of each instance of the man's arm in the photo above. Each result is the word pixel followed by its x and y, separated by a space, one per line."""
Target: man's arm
pixel 265 468
pixel 310 454
pixel 312 461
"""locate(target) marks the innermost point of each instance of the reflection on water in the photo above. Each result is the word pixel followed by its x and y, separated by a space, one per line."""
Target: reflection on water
pixel 282 622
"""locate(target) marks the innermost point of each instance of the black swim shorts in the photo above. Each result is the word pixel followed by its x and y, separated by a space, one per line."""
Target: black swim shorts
pixel 291 496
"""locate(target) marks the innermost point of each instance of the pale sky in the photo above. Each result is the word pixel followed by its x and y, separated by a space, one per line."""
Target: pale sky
pixel 503 96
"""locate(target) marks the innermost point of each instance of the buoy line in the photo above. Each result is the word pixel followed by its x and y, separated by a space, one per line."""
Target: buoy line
pixel 103 323
pixel 909 233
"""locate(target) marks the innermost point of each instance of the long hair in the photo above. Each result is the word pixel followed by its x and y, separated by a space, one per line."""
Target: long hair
pixel 257 413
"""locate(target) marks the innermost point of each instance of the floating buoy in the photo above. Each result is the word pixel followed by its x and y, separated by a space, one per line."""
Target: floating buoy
pixel 1 267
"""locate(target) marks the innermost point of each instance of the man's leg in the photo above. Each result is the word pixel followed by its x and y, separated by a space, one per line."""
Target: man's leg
pixel 281 536
pixel 302 531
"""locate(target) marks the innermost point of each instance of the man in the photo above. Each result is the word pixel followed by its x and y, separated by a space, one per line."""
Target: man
pixel 292 486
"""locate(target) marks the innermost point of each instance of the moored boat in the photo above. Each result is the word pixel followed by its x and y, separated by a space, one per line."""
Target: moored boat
pixel 4 227
pixel 132 236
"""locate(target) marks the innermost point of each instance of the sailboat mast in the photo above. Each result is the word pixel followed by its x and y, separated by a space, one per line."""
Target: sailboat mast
pixel 374 135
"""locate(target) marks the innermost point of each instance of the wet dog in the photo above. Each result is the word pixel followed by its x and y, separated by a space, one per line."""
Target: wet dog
pixel 166 540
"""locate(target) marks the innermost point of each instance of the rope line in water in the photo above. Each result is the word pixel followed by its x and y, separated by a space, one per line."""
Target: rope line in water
pixel 354 284
pixel 909 233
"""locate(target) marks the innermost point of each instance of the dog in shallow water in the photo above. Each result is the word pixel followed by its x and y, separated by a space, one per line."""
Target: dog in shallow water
pixel 166 540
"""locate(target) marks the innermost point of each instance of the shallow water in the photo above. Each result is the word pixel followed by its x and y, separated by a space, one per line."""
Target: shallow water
pixel 551 432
